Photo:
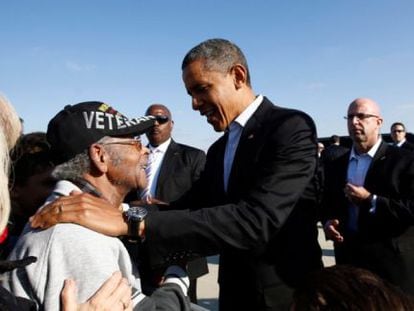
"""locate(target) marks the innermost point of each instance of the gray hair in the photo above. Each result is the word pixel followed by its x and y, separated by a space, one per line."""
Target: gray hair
pixel 77 167
pixel 217 54
pixel 73 169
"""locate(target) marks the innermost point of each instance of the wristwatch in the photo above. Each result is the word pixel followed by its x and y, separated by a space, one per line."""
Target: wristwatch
pixel 134 216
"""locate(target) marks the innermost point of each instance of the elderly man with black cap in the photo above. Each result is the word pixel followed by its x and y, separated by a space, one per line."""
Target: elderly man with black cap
pixel 96 151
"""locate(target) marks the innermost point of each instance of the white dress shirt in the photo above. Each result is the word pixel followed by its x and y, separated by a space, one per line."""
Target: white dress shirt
pixel 400 143
pixel 155 159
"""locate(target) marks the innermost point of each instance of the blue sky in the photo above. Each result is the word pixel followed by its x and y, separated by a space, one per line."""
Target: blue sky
pixel 313 55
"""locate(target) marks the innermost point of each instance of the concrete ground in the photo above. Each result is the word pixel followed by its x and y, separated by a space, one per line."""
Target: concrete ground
pixel 208 288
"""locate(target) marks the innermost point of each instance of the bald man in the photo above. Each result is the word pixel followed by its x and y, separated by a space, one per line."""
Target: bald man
pixel 368 201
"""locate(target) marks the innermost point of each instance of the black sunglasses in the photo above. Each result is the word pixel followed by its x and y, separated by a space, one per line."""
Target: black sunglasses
pixel 161 119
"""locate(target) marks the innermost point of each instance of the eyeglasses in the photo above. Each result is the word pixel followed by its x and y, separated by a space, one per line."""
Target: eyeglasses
pixel 360 116
pixel 136 143
pixel 161 119
pixel 398 131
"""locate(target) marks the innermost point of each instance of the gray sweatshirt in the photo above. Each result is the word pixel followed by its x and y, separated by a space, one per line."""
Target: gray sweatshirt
pixel 72 251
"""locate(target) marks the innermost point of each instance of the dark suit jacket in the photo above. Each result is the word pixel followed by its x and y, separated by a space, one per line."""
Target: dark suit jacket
pixel 407 145
pixel 332 152
pixel 180 168
pixel 384 243
pixel 264 227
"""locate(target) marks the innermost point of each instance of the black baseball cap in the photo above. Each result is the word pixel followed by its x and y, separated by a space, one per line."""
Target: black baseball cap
pixel 78 126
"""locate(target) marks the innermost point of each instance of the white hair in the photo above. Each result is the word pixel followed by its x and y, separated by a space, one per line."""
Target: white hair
pixel 10 128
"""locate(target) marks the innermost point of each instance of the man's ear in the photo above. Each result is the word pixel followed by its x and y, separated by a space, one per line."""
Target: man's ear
pixel 99 157
pixel 239 73
pixel 380 121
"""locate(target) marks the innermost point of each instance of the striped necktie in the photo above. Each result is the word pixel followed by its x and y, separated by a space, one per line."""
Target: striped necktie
pixel 149 171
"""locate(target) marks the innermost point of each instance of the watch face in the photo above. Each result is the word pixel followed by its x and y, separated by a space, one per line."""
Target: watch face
pixel 136 213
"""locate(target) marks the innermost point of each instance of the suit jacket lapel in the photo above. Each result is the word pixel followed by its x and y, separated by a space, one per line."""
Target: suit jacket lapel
pixel 379 156
pixel 214 170
pixel 247 140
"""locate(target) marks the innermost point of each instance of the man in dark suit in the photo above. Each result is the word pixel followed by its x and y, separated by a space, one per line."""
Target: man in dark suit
pixel 172 170
pixel 398 133
pixel 254 204
pixel 368 201
pixel 177 166
pixel 334 150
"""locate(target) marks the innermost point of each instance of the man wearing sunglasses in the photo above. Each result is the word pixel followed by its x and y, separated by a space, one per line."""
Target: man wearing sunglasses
pixel 171 170
pixel 398 134
pixel 368 202
pixel 97 152
pixel 172 167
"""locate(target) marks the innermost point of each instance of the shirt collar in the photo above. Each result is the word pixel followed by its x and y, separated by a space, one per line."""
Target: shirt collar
pixel 248 112
pixel 401 143
pixel 65 187
pixel 160 148
pixel 371 153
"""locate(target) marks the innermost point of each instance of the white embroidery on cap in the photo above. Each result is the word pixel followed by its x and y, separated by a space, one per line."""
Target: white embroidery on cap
pixel 88 119
pixel 120 122
pixel 110 118
pixel 99 118
pixel 136 121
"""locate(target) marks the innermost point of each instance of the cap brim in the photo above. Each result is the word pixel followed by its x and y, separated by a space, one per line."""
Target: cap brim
pixel 138 126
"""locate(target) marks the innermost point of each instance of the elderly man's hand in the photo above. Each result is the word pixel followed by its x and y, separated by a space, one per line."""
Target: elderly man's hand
pixel 113 295
pixel 84 209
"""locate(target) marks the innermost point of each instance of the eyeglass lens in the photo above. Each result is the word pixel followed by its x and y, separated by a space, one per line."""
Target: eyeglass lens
pixel 161 119
pixel 360 116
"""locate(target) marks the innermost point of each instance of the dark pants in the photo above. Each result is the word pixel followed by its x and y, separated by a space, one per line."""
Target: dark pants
pixel 273 298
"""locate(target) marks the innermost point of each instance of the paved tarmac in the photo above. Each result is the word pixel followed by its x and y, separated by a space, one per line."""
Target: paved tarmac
pixel 208 288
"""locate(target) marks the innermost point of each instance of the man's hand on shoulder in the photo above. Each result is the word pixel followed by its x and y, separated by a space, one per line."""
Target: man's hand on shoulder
pixel 84 209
